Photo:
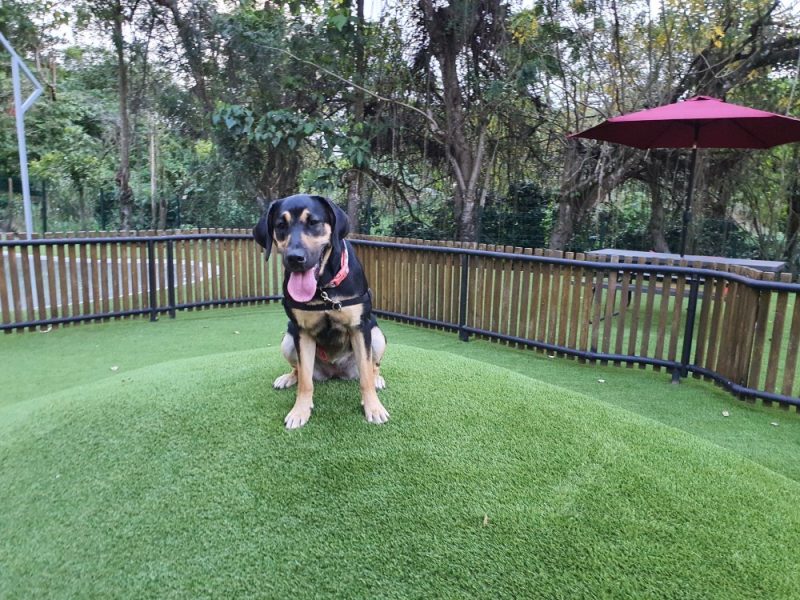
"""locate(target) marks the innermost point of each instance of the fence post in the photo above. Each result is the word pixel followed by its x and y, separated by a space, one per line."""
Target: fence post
pixel 171 278
pixel 688 334
pixel 462 314
pixel 151 279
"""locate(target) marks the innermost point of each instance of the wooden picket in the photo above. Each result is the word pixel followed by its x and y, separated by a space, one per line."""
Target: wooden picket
pixel 791 383
pixel 750 337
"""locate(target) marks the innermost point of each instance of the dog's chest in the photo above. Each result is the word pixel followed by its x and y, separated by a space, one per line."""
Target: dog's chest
pixel 345 319
pixel 328 333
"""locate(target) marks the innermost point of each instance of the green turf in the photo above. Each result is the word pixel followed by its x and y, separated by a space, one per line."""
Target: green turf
pixel 33 364
pixel 178 480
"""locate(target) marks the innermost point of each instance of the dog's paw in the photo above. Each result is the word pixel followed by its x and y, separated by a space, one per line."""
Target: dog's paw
pixel 285 381
pixel 297 417
pixel 374 412
pixel 380 382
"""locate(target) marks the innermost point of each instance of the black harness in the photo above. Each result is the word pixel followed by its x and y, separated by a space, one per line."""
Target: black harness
pixel 322 301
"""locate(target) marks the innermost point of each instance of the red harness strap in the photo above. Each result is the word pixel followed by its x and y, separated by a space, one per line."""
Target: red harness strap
pixel 344 269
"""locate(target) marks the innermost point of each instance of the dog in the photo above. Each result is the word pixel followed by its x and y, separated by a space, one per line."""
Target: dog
pixel 332 332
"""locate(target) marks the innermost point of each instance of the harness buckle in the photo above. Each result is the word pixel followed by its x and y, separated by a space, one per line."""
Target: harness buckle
pixel 333 303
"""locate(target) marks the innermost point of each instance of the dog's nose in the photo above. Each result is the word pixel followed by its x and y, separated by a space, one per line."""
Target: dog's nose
pixel 296 259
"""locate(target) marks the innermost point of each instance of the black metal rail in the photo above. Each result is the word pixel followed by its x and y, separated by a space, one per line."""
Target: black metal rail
pixel 678 369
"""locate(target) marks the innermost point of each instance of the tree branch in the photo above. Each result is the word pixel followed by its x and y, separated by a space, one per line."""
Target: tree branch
pixel 435 129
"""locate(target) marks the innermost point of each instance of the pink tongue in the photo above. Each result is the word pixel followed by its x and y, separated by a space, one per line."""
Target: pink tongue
pixel 302 286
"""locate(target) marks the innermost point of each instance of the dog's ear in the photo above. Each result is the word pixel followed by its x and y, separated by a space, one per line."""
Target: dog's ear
pixel 262 232
pixel 340 223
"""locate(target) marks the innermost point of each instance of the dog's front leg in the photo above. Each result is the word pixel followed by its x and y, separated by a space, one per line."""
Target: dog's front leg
pixel 301 411
pixel 374 411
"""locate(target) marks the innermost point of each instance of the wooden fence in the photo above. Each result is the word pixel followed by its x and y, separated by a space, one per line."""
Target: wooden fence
pixel 737 326
pixel 569 304
pixel 67 278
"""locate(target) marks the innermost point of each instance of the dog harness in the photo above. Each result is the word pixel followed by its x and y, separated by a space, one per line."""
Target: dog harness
pixel 344 269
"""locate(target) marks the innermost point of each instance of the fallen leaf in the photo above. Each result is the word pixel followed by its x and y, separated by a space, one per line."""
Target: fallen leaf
pixel 485 520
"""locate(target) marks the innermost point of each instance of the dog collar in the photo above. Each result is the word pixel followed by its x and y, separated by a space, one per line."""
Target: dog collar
pixel 344 270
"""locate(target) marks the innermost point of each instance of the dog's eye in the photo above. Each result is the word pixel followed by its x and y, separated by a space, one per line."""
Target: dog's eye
pixel 312 222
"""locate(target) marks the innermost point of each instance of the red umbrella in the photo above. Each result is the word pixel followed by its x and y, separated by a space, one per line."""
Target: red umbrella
pixel 700 122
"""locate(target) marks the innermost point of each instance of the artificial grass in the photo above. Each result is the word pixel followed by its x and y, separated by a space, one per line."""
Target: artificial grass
pixel 33 364
pixel 178 480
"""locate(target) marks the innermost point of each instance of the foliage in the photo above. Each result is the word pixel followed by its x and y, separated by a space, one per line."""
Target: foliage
pixel 522 218
pixel 432 108
pixel 430 221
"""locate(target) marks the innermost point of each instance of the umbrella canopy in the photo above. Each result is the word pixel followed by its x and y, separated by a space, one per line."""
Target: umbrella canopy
pixel 699 122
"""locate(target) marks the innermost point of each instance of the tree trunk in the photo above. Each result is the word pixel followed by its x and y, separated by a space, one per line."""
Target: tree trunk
pixel 354 181
pixel 589 175
pixel 465 159
pixel 468 223
pixel 356 178
pixel 279 177
pixel 655 227
pixel 162 212
pixel 564 227
pixel 153 183
pixel 192 45
pixel 83 218
pixel 123 171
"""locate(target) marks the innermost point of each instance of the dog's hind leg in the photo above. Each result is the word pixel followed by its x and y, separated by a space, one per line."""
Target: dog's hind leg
pixel 290 354
pixel 378 348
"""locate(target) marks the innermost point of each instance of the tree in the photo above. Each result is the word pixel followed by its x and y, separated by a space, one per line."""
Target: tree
pixel 725 49
pixel 470 31
pixel 118 18
pixel 355 177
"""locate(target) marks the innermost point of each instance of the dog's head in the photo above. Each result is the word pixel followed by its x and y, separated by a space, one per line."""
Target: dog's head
pixel 302 228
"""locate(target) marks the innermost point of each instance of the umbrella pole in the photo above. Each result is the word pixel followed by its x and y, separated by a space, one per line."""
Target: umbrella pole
pixel 687 207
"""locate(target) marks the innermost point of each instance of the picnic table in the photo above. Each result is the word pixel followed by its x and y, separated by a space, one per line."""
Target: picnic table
pixel 774 266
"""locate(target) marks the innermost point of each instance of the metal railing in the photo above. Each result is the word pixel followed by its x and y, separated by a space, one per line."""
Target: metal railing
pixel 725 326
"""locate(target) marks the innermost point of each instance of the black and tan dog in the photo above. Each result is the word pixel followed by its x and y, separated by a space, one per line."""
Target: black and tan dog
pixel 332 332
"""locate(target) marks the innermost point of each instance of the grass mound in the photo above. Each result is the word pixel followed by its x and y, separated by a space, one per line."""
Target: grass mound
pixel 179 480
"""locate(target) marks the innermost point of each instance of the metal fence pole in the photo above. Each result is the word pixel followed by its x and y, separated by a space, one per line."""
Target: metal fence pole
pixel 151 278
pixel 171 278
pixel 688 334
pixel 463 335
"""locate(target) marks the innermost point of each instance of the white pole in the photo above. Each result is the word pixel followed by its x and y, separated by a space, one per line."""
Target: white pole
pixel 20 108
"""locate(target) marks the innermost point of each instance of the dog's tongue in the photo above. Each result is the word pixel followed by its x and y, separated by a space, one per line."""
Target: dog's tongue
pixel 302 286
